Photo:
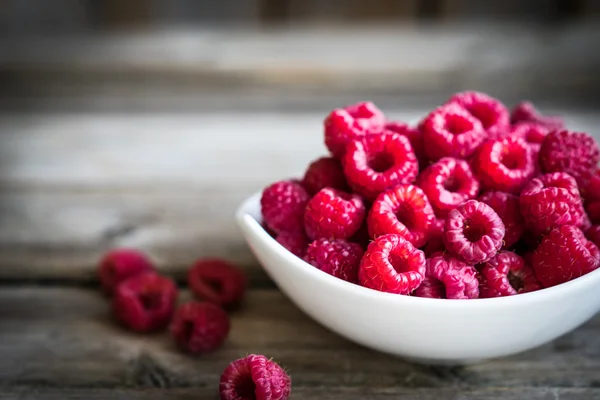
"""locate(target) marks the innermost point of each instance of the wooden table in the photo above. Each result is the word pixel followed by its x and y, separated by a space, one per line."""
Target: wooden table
pixel 76 184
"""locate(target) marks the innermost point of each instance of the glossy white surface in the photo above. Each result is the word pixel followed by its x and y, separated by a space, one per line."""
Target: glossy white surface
pixel 424 330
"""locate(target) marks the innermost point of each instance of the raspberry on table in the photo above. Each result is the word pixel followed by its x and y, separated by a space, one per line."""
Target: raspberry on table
pixel 446 277
pixel 199 328
pixel 504 164
pixel 324 172
pixel 550 201
pixel 532 133
pixel 336 257
pixel 526 112
pixel 564 254
pixel 575 153
pixel 351 122
pixel 282 205
pixel 294 242
pixel 217 281
pixel 145 302
pixel 413 134
pixel 448 183
pixel 506 274
pixel 120 264
pixel 403 210
pixel 254 377
pixel 379 162
pixel 333 214
pixel 508 209
pixel 392 264
pixel 435 238
pixel 473 232
pixel 451 131
pixel 492 114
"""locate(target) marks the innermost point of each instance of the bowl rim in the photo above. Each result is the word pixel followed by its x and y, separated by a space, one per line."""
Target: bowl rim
pixel 249 208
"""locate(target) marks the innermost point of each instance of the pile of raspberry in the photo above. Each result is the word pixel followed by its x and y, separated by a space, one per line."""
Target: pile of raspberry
pixel 475 201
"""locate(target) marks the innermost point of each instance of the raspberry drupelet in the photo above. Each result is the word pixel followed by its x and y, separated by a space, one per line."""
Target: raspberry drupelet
pixel 217 281
pixel 446 277
pixel 379 162
pixel 506 274
pixel 294 242
pixel 254 377
pixel 564 254
pixel 336 257
pixel 451 131
pixel 413 135
pixel 504 164
pixel 333 214
pixel 282 206
pixel 351 122
pixel 392 264
pixel 526 112
pixel 448 183
pixel 473 232
pixel 507 207
pixel 492 114
pixel 145 302
pixel 199 328
pixel 550 201
pixel 403 210
pixel 120 264
pixel 324 172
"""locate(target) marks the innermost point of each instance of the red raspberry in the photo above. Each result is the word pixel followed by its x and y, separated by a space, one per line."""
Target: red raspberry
pixel 412 134
pixel 590 186
pixel 324 172
pixel 435 238
pixel 507 207
pixel 333 214
pixel 504 164
pixel 492 114
pixel 403 210
pixel 574 153
pixel 526 112
pixel 217 281
pixel 593 234
pixel 448 183
pixel 352 122
pixel 506 274
pixel 532 133
pixel 593 211
pixel 282 206
pixel 451 131
pixel 473 232
pixel 254 377
pixel 336 257
pixel 448 278
pixel 120 264
pixel 199 327
pixel 564 254
pixel 294 242
pixel 145 302
pixel 379 162
pixel 551 200
pixel 392 264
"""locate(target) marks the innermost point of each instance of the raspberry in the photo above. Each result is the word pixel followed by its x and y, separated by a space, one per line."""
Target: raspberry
pixel 336 257
pixel 345 124
pixel 217 281
pixel 282 205
pixel 590 186
pixel 572 152
pixel 333 214
pixel 412 134
pixel 526 112
pixel 507 207
pixel 379 162
pixel 593 234
pixel 392 264
pixel 506 274
pixel 549 201
pixel 532 133
pixel 294 242
pixel 435 238
pixel 199 327
pixel 593 211
pixel 451 131
pixel 473 232
pixel 254 377
pixel 145 302
pixel 120 264
pixel 492 114
pixel 504 164
pixel 448 278
pixel 448 183
pixel 564 254
pixel 403 210
pixel 324 172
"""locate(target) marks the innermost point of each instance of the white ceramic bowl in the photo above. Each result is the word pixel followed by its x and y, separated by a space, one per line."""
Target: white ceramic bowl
pixel 424 330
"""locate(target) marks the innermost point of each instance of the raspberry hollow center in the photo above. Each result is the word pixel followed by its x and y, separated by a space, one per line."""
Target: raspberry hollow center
pixel 150 300
pixel 215 284
pixel 245 388
pixel 457 124
pixel 381 162
pixel 406 216
pixel 398 263
pixel 452 185
pixel 474 232
pixel 512 159
pixel 484 114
